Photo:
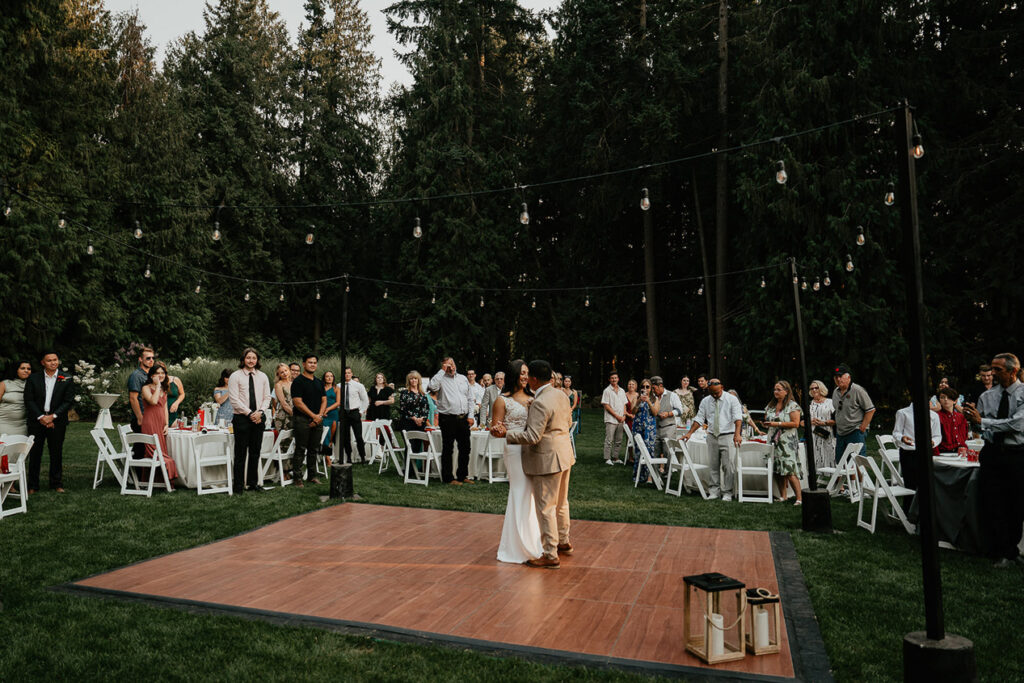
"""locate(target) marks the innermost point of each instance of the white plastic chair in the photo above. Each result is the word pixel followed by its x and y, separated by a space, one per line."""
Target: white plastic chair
pixel 122 432
pixel 890 455
pixel 762 469
pixel 107 456
pixel 280 456
pixel 630 448
pixel 151 465
pixel 426 456
pixel 494 450
pixel 16 451
pixel 645 459
pixel 874 486
pixel 374 450
pixel 218 455
pixel 392 451
pixel 683 465
pixel 845 469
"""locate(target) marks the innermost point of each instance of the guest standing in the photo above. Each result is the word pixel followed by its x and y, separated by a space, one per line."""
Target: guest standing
pixel 432 409
pixel 175 395
pixel 669 408
pixel 782 417
pixel 48 398
pixel 455 400
pixel 686 398
pixel 574 403
pixel 413 406
pixel 283 394
pixel 249 393
pixel 702 391
pixel 613 400
pixel 645 425
pixel 354 402
pixel 309 405
pixel 381 398
pixel 155 394
pixel 331 417
pixel 491 394
pixel 952 423
pixel 632 396
pixel 478 395
pixel 933 403
pixel 1000 417
pixel 220 395
pixel 12 401
pixel 722 415
pixel 138 379
pixel 854 410
pixel 823 425
pixel 903 434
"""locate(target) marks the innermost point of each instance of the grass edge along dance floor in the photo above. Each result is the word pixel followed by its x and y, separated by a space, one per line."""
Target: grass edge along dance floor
pixel 430 576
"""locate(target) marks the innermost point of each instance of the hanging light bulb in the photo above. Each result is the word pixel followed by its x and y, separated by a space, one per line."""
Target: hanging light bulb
pixel 7 209
pixel 89 250
pixel 347 289
pixel 796 280
pixel 433 298
pixel 803 284
pixel 780 172
pixel 62 220
pixel 827 281
pixel 524 215
pixel 247 297
pixel 586 301
pixel 700 290
pixel 817 284
pixel 645 200
pixel 849 263
pixel 643 297
pixel 215 235
pixel 417 228
pixel 318 294
pixel 860 236
pixel 148 272
pixel 385 292
pixel 199 286
pixel 309 235
pixel 281 298
pixel 890 195
pixel 137 233
pixel 534 303
pixel 917 149
pixel 481 301
pixel 3 196
pixel 763 283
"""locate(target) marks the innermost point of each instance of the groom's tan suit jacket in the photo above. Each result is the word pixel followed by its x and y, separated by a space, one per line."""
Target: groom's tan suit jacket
pixel 547 446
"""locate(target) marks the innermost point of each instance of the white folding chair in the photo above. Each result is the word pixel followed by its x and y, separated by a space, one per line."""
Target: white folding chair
pixel 494 451
pixel 16 451
pixel 630 449
pixel 874 486
pixel 572 437
pixel 763 468
pixel 279 455
pixel 426 456
pixel 889 452
pixel 845 469
pixel 107 456
pixel 375 452
pixel 679 461
pixel 151 465
pixel 392 451
pixel 212 450
pixel 122 432
pixel 645 459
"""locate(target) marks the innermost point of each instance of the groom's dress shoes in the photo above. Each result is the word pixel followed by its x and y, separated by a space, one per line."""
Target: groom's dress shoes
pixel 543 563
pixel 565 548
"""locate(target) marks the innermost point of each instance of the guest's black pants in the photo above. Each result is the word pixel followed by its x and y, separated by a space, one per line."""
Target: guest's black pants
pixel 1002 505
pixel 307 443
pixel 349 420
pixel 54 438
pixel 248 443
pixel 454 429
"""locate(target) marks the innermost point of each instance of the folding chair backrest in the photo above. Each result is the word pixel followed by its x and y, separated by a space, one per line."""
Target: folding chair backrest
pixel 885 441
pixel 122 432
pixel 204 439
pixel 872 476
pixel 16 452
pixel 147 439
pixel 16 438
pixel 641 447
pixel 422 437
pixel 283 436
pixel 389 435
pixel 104 443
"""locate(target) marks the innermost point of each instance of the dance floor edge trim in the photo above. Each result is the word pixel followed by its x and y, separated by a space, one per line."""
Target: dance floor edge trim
pixel 807 648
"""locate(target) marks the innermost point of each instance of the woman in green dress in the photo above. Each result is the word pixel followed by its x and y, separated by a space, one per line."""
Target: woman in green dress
pixel 782 418
pixel 175 395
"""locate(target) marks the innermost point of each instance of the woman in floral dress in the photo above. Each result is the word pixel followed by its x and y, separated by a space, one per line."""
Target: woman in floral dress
pixel 782 418
pixel 645 424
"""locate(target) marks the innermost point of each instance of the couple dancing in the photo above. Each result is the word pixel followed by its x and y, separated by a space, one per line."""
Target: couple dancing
pixel 535 420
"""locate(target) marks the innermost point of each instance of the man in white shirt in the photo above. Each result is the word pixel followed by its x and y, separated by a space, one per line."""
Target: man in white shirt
pixel 249 393
pixel 354 403
pixel 722 414
pixel 455 401
pixel 903 435
pixel 613 400
pixel 478 394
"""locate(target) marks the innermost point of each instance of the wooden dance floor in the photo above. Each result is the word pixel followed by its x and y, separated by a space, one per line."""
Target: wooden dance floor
pixel 432 575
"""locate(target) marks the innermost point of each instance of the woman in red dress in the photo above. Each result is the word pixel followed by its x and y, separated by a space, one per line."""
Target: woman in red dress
pixel 154 419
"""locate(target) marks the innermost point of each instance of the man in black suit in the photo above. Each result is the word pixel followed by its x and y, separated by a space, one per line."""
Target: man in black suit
pixel 48 397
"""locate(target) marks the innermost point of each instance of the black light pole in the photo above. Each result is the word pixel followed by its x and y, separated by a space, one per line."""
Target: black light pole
pixel 931 654
pixel 817 507
pixel 341 473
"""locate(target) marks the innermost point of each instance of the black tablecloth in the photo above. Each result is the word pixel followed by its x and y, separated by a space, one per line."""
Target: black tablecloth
pixel 957 508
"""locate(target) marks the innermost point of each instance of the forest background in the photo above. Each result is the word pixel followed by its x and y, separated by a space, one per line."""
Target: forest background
pixel 573 113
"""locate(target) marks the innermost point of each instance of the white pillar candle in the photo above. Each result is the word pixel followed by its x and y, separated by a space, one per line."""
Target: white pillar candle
pixel 717 635
pixel 760 627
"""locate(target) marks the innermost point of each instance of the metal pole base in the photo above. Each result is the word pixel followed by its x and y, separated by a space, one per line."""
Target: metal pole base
pixel 341 480
pixel 817 511
pixel 950 660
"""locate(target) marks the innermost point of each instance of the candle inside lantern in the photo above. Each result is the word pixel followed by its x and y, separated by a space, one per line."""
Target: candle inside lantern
pixel 760 627
pixel 717 635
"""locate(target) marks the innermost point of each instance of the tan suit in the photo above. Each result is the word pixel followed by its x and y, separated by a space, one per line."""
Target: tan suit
pixel 547 459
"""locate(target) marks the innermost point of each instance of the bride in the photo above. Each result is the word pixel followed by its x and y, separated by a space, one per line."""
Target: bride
pixel 520 534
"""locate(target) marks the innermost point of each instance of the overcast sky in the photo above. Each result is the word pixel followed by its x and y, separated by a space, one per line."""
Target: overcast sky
pixel 165 21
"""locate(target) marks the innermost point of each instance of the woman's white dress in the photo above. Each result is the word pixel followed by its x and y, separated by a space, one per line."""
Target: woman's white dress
pixel 520 534
pixel 824 448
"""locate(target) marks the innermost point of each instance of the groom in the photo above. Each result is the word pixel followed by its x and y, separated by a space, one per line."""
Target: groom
pixel 547 459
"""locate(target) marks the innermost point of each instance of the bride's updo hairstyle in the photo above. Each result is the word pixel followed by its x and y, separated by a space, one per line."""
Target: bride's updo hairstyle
pixel 512 378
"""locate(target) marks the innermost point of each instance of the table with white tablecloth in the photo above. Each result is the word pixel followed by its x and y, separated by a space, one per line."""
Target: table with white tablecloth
pixel 753 453
pixel 477 444
pixel 181 447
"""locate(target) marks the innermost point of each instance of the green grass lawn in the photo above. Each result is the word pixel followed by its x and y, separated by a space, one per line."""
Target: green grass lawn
pixel 866 589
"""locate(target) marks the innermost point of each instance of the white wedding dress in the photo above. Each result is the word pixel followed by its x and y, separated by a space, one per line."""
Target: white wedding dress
pixel 520 534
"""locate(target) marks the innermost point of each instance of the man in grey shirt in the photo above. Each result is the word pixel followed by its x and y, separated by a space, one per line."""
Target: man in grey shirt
pixel 668 410
pixel 854 410
pixel 490 393
pixel 455 401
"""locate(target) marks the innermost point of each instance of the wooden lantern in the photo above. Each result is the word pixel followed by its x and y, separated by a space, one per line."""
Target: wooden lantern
pixel 765 614
pixel 720 637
